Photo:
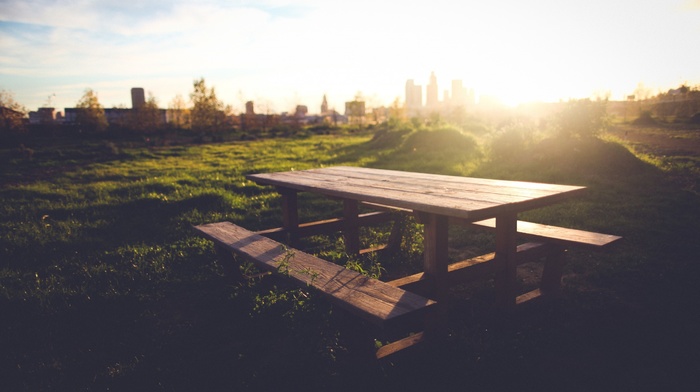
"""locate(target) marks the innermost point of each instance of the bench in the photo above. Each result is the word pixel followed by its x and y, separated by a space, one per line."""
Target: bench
pixel 547 242
pixel 370 299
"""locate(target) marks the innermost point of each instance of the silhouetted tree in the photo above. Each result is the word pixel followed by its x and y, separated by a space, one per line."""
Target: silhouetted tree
pixel 207 113
pixel 179 113
pixel 90 115
pixel 146 118
pixel 12 114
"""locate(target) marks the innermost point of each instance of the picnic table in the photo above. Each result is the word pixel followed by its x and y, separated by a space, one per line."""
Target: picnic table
pixel 436 201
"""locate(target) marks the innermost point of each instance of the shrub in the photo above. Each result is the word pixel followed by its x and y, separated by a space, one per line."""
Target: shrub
pixel 512 142
pixel 581 118
pixel 445 139
pixel 645 118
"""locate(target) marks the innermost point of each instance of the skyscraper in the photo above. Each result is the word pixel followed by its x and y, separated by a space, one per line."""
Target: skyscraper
pixel 414 98
pixel 431 92
pixel 459 94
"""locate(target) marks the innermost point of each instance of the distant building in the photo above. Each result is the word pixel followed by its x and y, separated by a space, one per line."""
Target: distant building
pixel 324 105
pixel 43 116
pixel 414 98
pixel 138 98
pixel 114 116
pixel 461 98
pixel 301 111
pixel 355 108
pixel 355 111
pixel 431 92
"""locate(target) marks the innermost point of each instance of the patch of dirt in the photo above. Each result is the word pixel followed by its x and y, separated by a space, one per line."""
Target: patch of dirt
pixel 661 140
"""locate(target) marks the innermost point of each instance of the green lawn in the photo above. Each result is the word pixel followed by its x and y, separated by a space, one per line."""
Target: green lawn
pixel 104 286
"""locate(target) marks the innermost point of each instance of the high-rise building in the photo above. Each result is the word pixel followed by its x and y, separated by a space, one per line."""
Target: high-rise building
pixel 138 98
pixel 459 94
pixel 414 98
pixel 431 92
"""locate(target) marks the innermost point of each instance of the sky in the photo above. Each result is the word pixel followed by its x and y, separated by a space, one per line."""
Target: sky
pixel 283 53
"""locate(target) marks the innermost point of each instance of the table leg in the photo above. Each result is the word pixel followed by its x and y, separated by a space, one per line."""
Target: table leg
pixel 435 260
pixel 351 231
pixel 506 253
pixel 290 214
pixel 551 274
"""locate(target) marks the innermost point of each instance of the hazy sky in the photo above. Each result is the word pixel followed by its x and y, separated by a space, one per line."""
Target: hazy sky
pixel 280 53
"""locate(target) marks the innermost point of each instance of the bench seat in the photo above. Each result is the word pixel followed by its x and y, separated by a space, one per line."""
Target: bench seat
pixel 555 234
pixel 532 231
pixel 370 299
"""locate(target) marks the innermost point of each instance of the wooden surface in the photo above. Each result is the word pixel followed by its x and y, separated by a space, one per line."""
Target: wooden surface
pixel 371 299
pixel 556 234
pixel 460 197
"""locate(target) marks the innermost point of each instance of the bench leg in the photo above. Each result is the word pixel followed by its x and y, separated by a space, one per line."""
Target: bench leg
pixel 229 263
pixel 290 215
pixel 397 232
pixel 552 272
pixel 435 260
pixel 506 254
pixel 351 231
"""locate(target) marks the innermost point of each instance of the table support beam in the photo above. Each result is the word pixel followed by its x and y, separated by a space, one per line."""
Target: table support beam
pixel 435 261
pixel 290 214
pixel 351 232
pixel 506 256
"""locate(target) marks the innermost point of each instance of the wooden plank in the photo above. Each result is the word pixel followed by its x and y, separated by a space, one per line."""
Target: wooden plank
pixel 529 296
pixel 473 209
pixel 371 299
pixel 444 195
pixel 442 186
pixel 475 268
pixel 506 251
pixel 554 234
pixel 351 227
pixel 326 226
pixel 435 261
pixel 447 183
pixel 290 214
pixel 394 347
pixel 467 192
pixel 383 174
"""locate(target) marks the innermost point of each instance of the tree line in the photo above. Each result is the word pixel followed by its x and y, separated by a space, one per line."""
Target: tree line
pixel 205 114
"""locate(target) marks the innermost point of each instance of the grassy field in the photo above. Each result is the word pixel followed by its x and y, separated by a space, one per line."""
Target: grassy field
pixel 103 285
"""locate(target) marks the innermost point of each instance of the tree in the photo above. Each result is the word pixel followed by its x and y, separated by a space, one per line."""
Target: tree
pixel 90 115
pixel 207 113
pixel 12 114
pixel 146 118
pixel 179 113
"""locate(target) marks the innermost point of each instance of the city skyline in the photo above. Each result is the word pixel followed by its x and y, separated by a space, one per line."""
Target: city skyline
pixel 281 53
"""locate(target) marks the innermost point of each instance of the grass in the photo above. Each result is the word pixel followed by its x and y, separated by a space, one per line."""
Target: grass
pixel 104 286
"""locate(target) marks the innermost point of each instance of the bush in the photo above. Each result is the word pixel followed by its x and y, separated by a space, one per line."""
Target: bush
pixel 444 139
pixel 512 142
pixel 581 118
pixel 645 118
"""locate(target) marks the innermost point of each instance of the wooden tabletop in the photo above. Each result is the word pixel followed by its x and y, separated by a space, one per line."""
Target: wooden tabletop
pixel 461 197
